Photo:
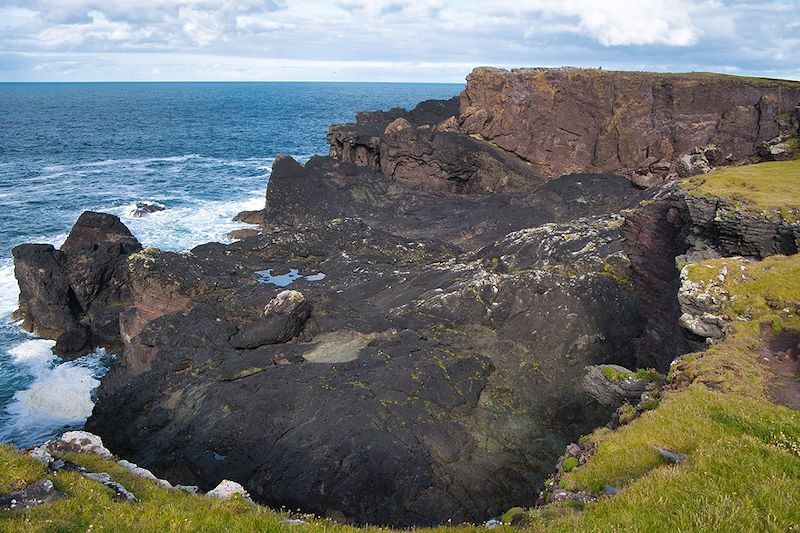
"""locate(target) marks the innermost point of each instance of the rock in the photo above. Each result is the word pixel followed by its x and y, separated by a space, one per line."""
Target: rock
pixel 718 225
pixel 637 119
pixel 226 489
pixel 613 393
pixel 191 489
pixel 120 492
pixel 283 318
pixel 780 148
pixel 47 302
pixel 145 473
pixel 250 217
pixel 238 234
pixel 701 306
pixel 41 454
pixel 398 124
pixel 670 457
pixel 610 490
pixel 145 208
pixel 85 442
pixel 691 165
pixel 37 493
pixel 74 295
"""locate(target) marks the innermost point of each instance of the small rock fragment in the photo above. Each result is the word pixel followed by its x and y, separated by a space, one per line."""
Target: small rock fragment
pixel 670 457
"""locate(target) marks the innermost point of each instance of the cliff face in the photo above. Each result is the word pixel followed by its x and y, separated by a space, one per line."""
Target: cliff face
pixel 451 294
pixel 636 124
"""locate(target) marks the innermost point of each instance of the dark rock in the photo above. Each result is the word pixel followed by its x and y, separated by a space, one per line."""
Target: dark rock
pixel 145 208
pixel 120 492
pixel 717 224
pixel 613 393
pixel 75 294
pixel 238 234
pixel 37 493
pixel 48 306
pixel 283 318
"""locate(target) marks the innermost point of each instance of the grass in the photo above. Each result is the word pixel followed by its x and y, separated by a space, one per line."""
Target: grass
pixel 742 472
pixel 772 188
pixel 743 466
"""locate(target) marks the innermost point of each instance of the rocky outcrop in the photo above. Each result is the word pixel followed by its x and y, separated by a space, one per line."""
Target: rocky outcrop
pixel 720 226
pixel 422 150
pixel 75 294
pixel 701 306
pixel 633 123
pixel 613 388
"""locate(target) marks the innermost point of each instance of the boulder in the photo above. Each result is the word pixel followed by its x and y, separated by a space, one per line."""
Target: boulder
pixel 37 493
pixel 623 387
pixel 282 320
pixel 84 442
pixel 226 489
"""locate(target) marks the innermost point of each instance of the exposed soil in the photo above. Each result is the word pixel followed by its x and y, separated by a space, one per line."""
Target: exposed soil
pixel 780 352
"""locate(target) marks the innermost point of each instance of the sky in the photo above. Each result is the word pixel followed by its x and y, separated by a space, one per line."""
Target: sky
pixel 388 40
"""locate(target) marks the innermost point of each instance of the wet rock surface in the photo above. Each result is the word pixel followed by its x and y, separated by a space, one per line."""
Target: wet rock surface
pixel 435 371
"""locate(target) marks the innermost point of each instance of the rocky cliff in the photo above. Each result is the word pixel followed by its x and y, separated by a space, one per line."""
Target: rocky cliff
pixel 424 361
pixel 530 125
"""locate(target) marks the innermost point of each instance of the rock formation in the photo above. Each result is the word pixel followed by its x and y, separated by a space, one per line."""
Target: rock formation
pixel 75 294
pixel 435 371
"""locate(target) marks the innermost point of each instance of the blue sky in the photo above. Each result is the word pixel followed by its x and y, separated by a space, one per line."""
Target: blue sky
pixel 388 40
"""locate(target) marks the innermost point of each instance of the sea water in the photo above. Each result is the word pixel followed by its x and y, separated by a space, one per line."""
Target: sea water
pixel 203 150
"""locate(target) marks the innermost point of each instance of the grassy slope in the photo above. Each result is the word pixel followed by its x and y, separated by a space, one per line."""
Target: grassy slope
pixel 743 470
pixel 773 188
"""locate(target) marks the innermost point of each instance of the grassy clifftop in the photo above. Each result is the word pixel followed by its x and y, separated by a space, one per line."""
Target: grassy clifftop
pixel 772 188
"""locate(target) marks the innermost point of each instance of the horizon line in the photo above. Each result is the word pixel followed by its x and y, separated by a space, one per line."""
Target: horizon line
pixel 240 81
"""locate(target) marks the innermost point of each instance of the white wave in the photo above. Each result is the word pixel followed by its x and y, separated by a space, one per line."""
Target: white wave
pixel 9 290
pixel 35 355
pixel 184 227
pixel 59 395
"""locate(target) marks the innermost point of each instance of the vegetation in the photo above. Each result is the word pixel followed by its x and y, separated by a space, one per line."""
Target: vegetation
pixel 772 188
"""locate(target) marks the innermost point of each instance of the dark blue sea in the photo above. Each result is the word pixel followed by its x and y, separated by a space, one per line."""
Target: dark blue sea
pixel 203 150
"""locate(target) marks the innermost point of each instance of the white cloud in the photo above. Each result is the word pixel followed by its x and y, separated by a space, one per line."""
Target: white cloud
pixel 261 23
pixel 656 34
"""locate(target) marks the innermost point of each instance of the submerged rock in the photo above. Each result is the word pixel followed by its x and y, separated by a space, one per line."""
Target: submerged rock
pixel 145 208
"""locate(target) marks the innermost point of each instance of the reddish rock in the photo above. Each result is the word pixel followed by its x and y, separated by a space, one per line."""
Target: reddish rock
pixel 586 120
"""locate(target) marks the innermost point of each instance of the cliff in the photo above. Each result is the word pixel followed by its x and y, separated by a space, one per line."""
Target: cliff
pixel 426 361
pixel 647 126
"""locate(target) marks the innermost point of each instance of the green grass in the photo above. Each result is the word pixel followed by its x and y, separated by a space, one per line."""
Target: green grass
pixel 772 188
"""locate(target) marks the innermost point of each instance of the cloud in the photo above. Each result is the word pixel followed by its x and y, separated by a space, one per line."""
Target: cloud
pixel 643 34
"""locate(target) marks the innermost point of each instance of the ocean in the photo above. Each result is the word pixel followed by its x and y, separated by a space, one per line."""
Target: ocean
pixel 203 150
